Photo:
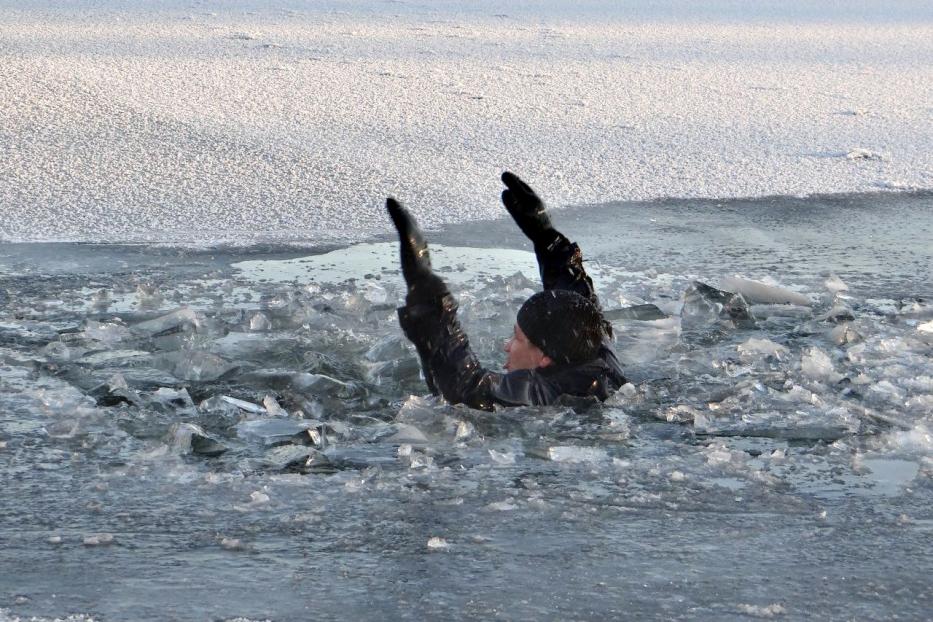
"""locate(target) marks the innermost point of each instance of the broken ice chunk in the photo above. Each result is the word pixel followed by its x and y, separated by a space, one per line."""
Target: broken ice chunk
pixel 705 305
pixel 271 432
pixel 107 333
pixel 407 434
pixel 761 293
pixel 571 454
pixel 190 438
pixel 243 404
pixel 100 301
pixel 835 285
pixel 194 365
pixel 754 349
pixel 817 365
pixel 437 544
pixel 839 312
pixel 171 397
pixel 149 296
pixel 297 457
pixel 177 321
pixel 260 322
pixel 273 408
pixel 843 334
pixel 644 313
pixel 98 539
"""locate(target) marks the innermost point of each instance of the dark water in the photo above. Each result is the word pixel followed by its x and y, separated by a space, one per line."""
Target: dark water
pixel 775 464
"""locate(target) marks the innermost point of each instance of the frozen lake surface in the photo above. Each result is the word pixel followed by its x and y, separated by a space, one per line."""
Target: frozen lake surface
pixel 242 433
pixel 287 120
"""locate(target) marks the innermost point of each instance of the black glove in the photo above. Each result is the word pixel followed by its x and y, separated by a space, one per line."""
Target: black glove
pixel 528 211
pixel 423 285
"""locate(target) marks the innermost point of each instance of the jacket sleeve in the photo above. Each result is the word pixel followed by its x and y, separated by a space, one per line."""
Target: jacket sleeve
pixel 560 264
pixel 452 369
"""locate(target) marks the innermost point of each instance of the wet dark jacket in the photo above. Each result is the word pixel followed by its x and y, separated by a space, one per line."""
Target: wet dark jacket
pixel 451 368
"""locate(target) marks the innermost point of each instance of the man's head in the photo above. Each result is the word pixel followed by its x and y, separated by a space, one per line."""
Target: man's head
pixel 554 326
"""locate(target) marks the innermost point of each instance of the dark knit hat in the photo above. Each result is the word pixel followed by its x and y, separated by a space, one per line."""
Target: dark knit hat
pixel 563 324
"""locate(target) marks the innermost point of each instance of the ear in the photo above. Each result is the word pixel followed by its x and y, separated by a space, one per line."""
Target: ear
pixel 545 361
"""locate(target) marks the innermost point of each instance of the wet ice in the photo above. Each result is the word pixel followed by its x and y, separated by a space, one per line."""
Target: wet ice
pixel 737 405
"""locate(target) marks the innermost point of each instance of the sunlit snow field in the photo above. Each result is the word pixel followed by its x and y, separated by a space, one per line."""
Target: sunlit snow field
pixel 207 408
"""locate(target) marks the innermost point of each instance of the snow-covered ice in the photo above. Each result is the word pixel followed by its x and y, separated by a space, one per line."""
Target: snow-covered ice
pixel 247 121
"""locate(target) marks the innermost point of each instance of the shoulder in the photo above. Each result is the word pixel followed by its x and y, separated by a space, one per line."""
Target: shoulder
pixel 524 387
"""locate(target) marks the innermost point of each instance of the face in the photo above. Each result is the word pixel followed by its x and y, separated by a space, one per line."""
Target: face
pixel 522 354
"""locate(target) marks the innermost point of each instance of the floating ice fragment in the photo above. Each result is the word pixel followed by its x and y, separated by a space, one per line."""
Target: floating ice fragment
pixel 755 348
pixel 886 391
pixel 107 333
pixel 58 352
pixel 926 328
pixel 176 321
pixel 816 364
pixel 705 305
pixel 194 365
pixel 243 404
pixel 720 455
pixel 677 476
pixel 501 506
pixel 117 381
pixel 918 439
pixel 260 322
pixel 465 431
pixel 573 454
pixel 190 438
pixel 764 311
pixel 758 292
pixel 98 539
pixel 297 457
pixel 389 348
pixel 643 313
pixel 172 397
pixel 407 434
pixel 437 544
pixel 680 413
pixel 257 496
pixel 100 301
pixel 149 296
pixel 273 408
pixel 502 457
pixel 232 544
pixel 374 293
pixel 271 432
pixel 843 334
pixel 839 312
pixel 54 540
pixel 834 284
pixel 640 342
pixel 107 358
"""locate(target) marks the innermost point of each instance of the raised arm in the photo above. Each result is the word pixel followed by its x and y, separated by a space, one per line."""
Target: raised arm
pixel 560 261
pixel 429 320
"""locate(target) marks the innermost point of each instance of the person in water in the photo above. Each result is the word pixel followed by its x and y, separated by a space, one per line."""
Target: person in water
pixel 561 343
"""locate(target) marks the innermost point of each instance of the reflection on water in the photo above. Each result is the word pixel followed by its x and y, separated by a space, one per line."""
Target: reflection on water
pixel 212 434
